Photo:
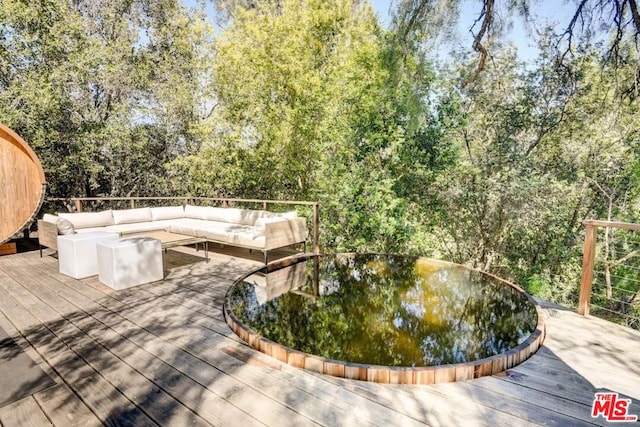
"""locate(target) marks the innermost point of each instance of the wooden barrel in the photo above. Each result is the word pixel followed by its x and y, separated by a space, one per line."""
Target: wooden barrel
pixel 22 184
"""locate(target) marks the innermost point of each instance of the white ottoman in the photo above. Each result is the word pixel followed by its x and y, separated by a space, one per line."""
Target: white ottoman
pixel 77 255
pixel 129 262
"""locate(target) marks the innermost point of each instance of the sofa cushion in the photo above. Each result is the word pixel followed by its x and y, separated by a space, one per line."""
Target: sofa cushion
pixel 213 230
pixel 260 223
pixel 244 236
pixel 232 215
pixel 91 230
pixel 249 217
pixel 88 219
pixel 194 212
pixel 65 226
pixel 186 226
pixel 167 212
pixel 221 214
pixel 288 215
pixel 136 227
pixel 128 216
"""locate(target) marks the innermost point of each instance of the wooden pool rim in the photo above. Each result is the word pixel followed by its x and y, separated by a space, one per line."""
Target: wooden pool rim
pixel 387 374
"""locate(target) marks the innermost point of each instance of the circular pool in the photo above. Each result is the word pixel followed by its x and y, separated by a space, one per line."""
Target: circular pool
pixel 385 318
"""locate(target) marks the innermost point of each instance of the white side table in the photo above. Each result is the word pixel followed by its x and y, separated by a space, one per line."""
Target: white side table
pixel 129 262
pixel 77 255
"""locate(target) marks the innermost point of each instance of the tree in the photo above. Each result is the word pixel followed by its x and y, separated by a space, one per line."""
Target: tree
pixel 539 150
pixel 618 19
pixel 105 92
pixel 317 101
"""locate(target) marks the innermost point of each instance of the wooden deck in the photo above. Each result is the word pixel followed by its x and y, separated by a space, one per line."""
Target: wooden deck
pixel 161 354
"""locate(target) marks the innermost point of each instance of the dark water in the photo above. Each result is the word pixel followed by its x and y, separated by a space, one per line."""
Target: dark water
pixel 385 310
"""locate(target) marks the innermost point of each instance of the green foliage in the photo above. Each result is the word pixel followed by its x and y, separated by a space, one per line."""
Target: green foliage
pixel 541 151
pixel 103 91
pixel 313 99
pixel 317 101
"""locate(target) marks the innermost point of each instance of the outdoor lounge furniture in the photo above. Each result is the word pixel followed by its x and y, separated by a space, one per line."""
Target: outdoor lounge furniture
pixel 129 262
pixel 253 229
pixel 77 256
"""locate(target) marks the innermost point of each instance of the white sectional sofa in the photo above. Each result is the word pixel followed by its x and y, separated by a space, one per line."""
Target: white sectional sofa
pixel 253 229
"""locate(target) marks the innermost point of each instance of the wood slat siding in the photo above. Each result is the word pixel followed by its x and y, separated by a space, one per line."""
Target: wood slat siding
pixel 163 354
pixel 23 183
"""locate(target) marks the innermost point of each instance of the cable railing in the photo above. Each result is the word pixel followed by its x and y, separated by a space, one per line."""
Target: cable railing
pixel 78 204
pixel 610 283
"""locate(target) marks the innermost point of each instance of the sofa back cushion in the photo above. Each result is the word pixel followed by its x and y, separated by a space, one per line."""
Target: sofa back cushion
pixel 167 212
pixel 88 219
pixel 288 215
pixel 130 216
pixel 261 222
pixel 194 212
pixel 232 215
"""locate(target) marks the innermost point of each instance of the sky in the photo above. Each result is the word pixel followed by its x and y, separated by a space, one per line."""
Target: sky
pixel 554 12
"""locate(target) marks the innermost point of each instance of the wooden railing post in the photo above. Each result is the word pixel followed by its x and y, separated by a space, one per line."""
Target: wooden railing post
pixel 316 227
pixel 133 203
pixel 78 205
pixel 588 259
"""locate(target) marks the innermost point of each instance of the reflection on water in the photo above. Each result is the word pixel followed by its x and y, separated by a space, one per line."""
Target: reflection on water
pixel 385 310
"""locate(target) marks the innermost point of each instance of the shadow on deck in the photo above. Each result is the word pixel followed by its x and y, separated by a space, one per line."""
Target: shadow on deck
pixel 162 354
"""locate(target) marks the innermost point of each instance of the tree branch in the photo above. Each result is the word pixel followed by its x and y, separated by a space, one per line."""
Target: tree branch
pixel 486 16
pixel 635 15
pixel 624 258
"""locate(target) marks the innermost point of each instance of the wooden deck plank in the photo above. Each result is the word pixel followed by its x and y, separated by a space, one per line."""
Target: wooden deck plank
pixel 250 401
pixel 23 413
pixel 105 400
pixel 425 403
pixel 316 409
pixel 171 336
pixel 329 397
pixel 601 352
pixel 533 380
pixel 151 357
pixel 521 408
pixel 59 403
pixel 578 410
pixel 105 351
pixel 64 408
pixel 560 373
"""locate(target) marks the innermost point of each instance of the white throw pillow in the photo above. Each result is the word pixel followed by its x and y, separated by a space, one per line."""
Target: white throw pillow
pixel 53 219
pixel 65 226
